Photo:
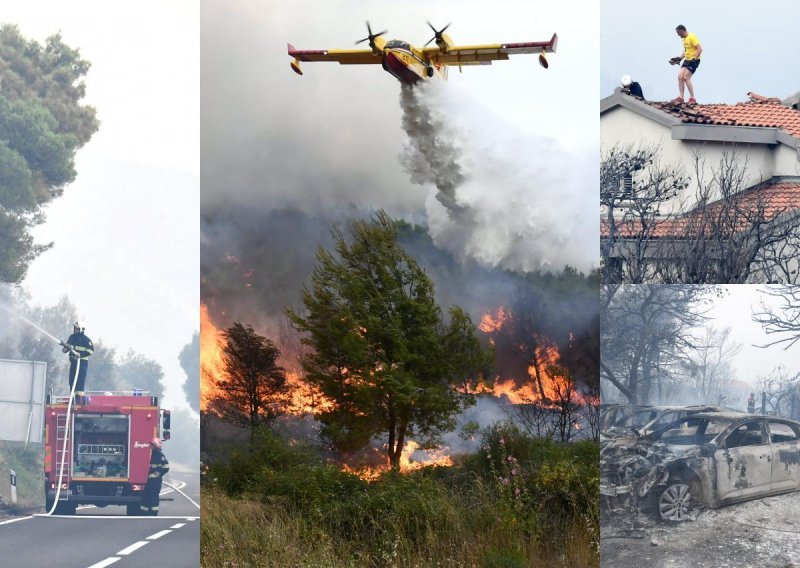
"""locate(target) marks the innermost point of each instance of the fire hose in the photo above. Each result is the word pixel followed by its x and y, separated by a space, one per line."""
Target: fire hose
pixel 66 433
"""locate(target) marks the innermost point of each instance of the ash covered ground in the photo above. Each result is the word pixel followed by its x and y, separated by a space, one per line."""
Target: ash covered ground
pixel 760 533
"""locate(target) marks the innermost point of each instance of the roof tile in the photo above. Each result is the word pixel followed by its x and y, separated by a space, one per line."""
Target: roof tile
pixel 768 113
pixel 775 198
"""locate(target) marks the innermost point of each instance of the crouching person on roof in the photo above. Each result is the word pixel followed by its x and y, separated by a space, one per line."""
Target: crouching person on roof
pixel 159 466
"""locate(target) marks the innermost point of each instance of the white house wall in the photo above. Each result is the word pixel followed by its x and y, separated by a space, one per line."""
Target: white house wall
pixel 625 127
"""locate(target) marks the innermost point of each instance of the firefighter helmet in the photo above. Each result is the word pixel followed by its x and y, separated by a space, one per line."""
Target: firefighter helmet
pixel 626 81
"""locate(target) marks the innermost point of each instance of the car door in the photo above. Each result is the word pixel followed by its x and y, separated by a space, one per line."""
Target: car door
pixel 785 442
pixel 744 462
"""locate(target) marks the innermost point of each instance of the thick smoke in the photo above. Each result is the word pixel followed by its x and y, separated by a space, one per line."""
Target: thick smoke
pixel 505 201
pixel 430 156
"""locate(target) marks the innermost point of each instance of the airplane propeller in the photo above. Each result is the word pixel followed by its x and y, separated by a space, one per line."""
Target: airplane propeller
pixel 437 34
pixel 371 37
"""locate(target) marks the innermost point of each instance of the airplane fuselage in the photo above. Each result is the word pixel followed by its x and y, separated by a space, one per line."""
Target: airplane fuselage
pixel 408 66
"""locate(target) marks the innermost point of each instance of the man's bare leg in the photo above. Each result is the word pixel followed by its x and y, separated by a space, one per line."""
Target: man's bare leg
pixel 688 80
pixel 681 81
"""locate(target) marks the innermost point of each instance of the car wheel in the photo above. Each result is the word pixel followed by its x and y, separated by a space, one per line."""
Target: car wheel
pixel 675 502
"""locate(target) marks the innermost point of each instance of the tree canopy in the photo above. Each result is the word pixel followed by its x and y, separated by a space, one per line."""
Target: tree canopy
pixel 382 354
pixel 42 125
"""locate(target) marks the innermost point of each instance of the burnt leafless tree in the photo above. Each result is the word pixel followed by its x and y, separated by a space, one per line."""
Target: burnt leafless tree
pixel 645 337
pixel 708 366
pixel 729 232
pixel 781 390
pixel 780 319
pixel 725 232
pixel 634 192
pixel 562 415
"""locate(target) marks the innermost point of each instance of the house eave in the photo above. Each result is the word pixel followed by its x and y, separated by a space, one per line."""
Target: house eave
pixel 701 132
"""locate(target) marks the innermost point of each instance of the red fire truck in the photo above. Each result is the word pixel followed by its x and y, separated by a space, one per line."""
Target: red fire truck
pixel 107 454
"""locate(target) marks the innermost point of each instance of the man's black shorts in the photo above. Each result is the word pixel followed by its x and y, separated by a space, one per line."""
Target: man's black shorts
pixel 691 65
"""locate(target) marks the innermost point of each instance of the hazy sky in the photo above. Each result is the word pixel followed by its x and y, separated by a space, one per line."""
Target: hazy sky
pixel 126 231
pixel 747 46
pixel 734 309
pixel 333 136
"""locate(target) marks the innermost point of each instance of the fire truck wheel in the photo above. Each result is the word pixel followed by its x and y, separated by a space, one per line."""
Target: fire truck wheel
pixel 133 510
pixel 65 509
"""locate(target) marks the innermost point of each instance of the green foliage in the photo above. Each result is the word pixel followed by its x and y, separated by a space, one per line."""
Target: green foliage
pixel 503 559
pixel 42 125
pixel 28 464
pixel 292 508
pixel 381 349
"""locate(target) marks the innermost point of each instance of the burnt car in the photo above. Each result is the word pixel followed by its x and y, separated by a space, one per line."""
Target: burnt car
pixel 707 459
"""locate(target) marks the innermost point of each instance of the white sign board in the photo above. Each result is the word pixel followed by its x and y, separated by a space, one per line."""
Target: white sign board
pixel 22 385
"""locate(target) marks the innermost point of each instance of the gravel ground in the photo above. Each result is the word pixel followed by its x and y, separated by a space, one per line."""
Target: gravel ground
pixel 764 533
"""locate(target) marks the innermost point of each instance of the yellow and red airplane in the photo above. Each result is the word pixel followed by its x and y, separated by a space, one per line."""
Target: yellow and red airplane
pixel 410 64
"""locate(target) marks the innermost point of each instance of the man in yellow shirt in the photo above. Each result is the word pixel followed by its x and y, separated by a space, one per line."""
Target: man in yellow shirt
pixel 691 61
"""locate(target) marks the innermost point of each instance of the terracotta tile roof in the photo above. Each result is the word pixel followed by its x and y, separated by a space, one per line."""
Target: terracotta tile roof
pixel 776 198
pixel 768 113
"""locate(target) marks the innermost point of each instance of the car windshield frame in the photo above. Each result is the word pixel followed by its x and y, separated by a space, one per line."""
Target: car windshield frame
pixel 658 435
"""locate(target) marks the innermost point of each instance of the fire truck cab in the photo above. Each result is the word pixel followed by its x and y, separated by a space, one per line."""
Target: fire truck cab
pixel 107 439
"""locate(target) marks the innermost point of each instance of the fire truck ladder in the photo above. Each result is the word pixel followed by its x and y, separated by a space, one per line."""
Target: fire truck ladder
pixel 63 448
pixel 62 439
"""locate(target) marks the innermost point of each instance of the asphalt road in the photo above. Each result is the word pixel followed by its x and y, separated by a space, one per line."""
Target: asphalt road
pixel 98 537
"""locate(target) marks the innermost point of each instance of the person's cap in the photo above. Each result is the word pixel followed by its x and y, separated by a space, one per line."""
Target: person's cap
pixel 156 443
pixel 626 80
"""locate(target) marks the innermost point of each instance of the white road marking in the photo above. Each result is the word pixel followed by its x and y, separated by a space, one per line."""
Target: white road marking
pixel 107 562
pixel 159 534
pixel 132 548
pixel 8 522
pixel 117 517
pixel 177 525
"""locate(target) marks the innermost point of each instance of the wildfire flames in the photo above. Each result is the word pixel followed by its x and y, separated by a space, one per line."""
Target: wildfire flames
pixel 545 386
pixel 304 398
pixel 426 458
pixel 210 358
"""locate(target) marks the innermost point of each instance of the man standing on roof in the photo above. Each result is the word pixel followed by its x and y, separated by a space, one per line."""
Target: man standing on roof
pixel 691 61
pixel 159 466
pixel 80 348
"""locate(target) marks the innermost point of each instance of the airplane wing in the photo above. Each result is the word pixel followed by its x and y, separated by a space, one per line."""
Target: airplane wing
pixel 459 55
pixel 343 56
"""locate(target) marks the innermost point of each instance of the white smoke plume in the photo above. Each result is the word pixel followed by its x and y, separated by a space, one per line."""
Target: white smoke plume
pixel 506 200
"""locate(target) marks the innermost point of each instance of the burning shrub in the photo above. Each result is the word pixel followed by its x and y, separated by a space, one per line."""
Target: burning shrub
pixel 458 515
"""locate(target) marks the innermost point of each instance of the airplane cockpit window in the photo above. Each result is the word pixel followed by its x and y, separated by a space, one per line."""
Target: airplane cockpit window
pixel 394 43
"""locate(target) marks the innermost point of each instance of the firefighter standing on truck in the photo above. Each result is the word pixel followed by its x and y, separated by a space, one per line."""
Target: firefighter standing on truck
pixel 79 347
pixel 159 466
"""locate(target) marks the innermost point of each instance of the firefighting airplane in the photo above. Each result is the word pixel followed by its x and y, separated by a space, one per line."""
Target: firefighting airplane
pixel 409 64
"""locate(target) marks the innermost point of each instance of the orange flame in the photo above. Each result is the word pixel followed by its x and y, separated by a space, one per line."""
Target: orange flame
pixel 428 458
pixel 491 323
pixel 210 358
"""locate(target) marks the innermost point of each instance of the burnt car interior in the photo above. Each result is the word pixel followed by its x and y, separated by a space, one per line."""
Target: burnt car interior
pixel 691 432
pixel 780 432
pixel 748 434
